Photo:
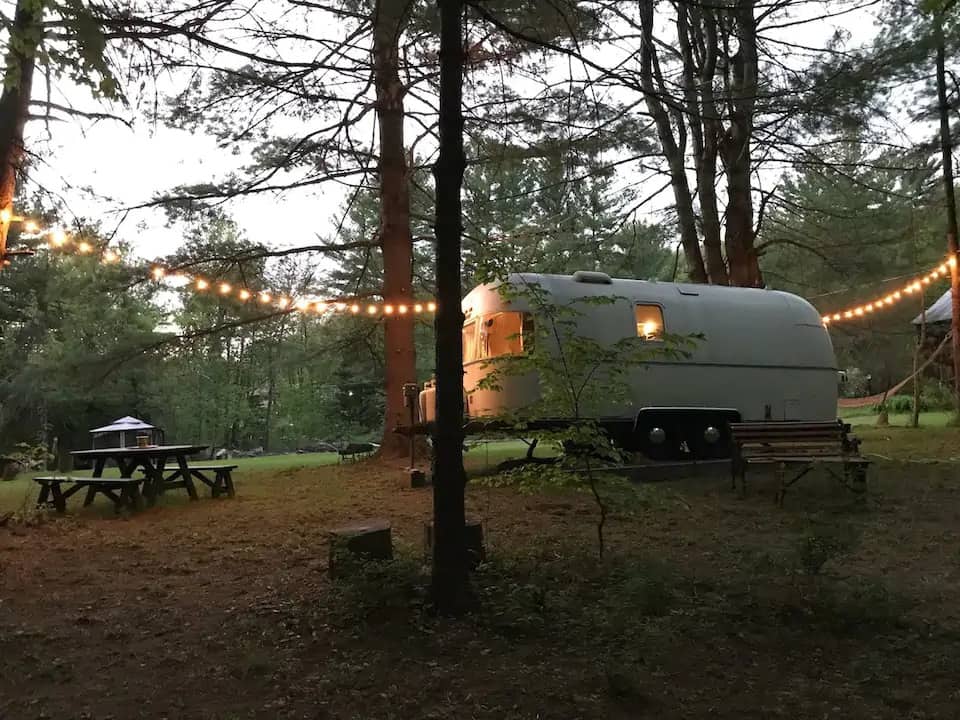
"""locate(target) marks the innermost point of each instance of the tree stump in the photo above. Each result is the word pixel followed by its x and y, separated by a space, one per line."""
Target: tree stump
pixel 368 539
pixel 476 552
pixel 412 478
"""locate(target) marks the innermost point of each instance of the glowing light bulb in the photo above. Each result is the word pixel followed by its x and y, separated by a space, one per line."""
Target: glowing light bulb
pixel 836 316
pixel 225 288
pixel 431 306
pixel 341 307
pixel 825 319
pixel 158 273
pixel 302 304
pixel 354 309
pixel 418 308
pixel 244 295
pixel 926 281
pixel 952 261
pixel 848 314
pixel 943 268
pixel 388 309
pixel 6 215
pixel 868 307
pixel 320 307
pixel 908 289
pixel 110 256
pixel 283 302
pixel 372 310
pixel 402 309
pixel 58 238
pixel 265 298
pixel 649 328
pixel 897 295
pixel 30 226
pixel 202 284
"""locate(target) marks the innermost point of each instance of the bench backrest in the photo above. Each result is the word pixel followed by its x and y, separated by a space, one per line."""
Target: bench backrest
pixel 791 438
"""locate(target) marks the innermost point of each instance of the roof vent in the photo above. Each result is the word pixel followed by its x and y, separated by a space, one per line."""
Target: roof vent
pixel 595 278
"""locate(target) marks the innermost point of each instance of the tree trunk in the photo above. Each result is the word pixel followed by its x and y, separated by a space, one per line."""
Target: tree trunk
pixel 271 392
pixel 950 202
pixel 15 102
pixel 697 27
pixel 921 340
pixel 450 561
pixel 739 240
pixel 396 240
pixel 653 90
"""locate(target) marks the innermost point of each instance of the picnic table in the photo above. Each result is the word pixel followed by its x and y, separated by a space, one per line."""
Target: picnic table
pixel 152 460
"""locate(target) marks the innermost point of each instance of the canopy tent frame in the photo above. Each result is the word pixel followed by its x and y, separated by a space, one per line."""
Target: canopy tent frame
pixel 125 430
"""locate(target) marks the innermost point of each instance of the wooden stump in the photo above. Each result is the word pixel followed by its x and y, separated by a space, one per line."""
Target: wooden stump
pixel 368 539
pixel 411 479
pixel 476 552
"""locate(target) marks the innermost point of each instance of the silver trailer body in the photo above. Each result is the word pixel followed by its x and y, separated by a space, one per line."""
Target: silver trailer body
pixel 764 354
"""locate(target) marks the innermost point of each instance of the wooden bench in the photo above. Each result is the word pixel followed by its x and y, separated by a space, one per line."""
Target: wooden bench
pixel 354 451
pixel 124 492
pixel 782 444
pixel 222 481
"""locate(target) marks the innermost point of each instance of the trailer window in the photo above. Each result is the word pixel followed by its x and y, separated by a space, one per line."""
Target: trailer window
pixel 469 341
pixel 649 322
pixel 507 333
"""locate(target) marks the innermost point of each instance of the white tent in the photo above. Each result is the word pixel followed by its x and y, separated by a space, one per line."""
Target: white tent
pixel 941 311
pixel 122 426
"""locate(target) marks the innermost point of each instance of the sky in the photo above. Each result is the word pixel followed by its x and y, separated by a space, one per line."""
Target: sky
pixel 128 166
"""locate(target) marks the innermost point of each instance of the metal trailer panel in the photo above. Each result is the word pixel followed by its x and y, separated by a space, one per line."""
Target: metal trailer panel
pixel 763 353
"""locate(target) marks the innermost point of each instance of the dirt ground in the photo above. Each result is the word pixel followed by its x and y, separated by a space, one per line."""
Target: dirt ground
pixel 706 605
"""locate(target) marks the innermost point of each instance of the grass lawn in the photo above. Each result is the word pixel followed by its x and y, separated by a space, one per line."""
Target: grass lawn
pixel 20 495
pixel 704 604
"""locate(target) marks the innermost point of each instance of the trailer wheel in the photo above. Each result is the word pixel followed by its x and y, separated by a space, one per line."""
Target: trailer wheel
pixel 709 440
pixel 660 441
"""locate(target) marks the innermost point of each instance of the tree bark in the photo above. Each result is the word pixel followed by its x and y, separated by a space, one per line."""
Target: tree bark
pixel 917 353
pixel 653 88
pixel 696 28
pixel 26 33
pixel 450 561
pixel 950 200
pixel 396 239
pixel 739 240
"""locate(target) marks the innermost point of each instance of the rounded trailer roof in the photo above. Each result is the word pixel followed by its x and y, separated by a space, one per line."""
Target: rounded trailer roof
pixel 766 327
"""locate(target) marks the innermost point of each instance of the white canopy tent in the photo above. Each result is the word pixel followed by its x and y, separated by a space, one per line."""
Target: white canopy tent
pixel 124 428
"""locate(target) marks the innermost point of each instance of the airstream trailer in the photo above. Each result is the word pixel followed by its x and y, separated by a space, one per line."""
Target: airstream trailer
pixel 763 355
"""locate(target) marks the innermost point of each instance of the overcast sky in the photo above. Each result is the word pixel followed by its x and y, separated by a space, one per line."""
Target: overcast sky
pixel 128 166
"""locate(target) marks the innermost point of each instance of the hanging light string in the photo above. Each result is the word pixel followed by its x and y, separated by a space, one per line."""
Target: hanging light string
pixel 56 239
pixel 883 303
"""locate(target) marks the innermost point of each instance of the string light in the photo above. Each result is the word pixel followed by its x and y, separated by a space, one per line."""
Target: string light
pixel 59 239
pixel 914 286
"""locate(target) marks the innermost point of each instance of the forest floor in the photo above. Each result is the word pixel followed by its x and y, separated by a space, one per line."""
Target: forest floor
pixel 705 604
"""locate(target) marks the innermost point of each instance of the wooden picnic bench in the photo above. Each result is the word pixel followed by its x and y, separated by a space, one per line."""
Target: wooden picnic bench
pixel 124 492
pixel 222 480
pixel 353 451
pixel 783 444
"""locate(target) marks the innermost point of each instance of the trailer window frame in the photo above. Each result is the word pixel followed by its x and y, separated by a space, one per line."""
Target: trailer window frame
pixel 654 335
pixel 470 343
pixel 520 337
